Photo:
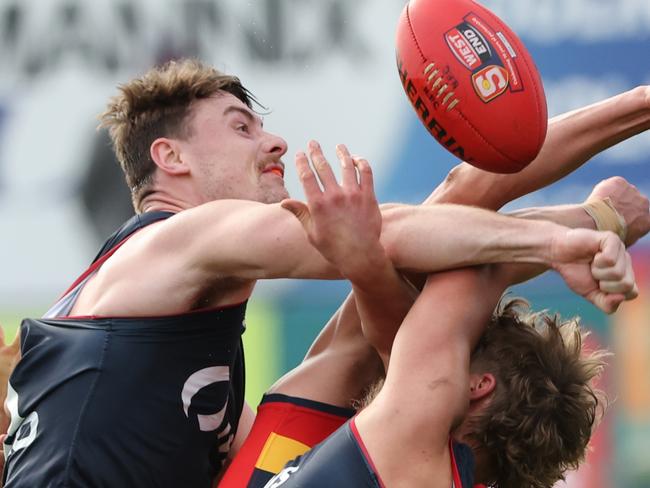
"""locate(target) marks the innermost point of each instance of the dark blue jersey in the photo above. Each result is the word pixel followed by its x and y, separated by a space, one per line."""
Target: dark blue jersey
pixel 342 461
pixel 125 402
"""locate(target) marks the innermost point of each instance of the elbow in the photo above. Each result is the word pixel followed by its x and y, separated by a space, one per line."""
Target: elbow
pixel 448 190
pixel 468 185
pixel 642 95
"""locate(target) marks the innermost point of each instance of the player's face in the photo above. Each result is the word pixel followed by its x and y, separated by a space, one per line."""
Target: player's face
pixel 231 155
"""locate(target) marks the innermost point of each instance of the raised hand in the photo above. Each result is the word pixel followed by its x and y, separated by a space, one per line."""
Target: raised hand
pixel 628 202
pixel 596 266
pixel 342 221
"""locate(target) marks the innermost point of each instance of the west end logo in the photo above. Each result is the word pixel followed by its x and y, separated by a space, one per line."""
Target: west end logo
pixel 468 45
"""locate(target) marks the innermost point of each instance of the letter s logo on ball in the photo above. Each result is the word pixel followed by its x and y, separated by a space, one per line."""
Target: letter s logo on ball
pixel 490 82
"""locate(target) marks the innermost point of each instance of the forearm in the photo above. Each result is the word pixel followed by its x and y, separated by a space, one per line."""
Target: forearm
pixel 431 238
pixel 472 237
pixel 573 216
pixel 433 347
pixel 382 299
pixel 572 139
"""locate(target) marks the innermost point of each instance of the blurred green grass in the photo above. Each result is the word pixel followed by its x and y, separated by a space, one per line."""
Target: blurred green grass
pixel 10 321
pixel 262 348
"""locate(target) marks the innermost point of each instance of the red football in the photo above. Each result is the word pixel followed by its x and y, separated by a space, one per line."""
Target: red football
pixel 472 83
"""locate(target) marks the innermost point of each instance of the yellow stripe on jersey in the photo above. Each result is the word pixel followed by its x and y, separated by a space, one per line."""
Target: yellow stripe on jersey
pixel 278 451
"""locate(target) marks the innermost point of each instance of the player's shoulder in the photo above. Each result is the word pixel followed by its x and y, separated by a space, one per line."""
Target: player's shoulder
pixel 223 207
pixel 221 216
pixel 188 224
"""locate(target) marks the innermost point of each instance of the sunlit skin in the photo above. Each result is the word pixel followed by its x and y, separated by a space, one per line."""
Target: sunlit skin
pixel 226 154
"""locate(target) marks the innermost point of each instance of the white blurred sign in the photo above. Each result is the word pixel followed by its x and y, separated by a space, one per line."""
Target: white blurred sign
pixel 324 67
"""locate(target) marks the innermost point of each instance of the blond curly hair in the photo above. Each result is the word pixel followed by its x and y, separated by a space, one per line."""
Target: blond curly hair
pixel 545 405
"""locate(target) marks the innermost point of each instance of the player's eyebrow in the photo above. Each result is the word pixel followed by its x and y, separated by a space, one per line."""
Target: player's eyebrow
pixel 252 118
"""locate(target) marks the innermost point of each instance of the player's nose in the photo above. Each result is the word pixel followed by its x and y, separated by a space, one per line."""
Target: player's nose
pixel 274 144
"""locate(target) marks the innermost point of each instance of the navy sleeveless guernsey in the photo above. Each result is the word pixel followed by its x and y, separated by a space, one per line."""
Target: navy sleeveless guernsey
pixel 342 461
pixel 124 402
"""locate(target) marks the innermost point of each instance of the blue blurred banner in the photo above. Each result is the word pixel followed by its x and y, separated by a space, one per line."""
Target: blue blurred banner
pixel 586 51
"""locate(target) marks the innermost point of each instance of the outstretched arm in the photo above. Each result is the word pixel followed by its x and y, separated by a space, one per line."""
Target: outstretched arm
pixel 629 203
pixel 572 139
pixel 625 203
pixel 354 248
pixel 245 241
pixel 409 241
pixel 626 212
pixel 248 240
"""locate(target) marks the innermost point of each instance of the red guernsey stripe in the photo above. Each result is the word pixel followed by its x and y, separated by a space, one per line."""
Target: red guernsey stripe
pixel 365 452
pixel 94 266
pixel 293 418
pixel 454 467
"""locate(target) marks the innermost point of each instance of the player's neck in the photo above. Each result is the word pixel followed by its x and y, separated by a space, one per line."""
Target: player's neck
pixel 162 201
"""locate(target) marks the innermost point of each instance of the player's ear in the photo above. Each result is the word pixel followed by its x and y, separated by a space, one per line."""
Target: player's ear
pixel 481 385
pixel 167 156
